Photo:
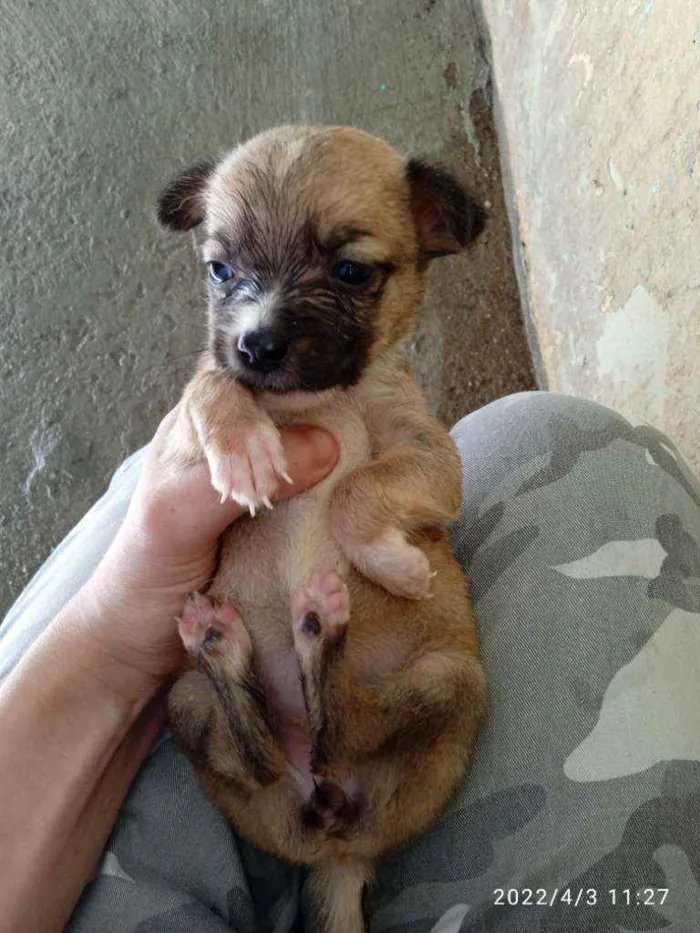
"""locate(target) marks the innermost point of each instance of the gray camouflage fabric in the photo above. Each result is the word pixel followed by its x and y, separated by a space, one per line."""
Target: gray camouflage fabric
pixel 580 533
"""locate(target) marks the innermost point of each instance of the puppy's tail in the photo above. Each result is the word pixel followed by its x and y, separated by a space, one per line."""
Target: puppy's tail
pixel 337 885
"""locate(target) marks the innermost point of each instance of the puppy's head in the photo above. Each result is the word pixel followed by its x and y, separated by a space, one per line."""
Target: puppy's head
pixel 316 242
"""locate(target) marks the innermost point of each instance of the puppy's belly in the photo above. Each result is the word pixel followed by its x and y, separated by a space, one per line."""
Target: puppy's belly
pixel 265 558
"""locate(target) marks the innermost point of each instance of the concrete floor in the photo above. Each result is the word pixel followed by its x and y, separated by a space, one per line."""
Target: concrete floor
pixel 101 316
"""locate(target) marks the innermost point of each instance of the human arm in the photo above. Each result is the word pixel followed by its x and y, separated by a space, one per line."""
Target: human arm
pixel 79 713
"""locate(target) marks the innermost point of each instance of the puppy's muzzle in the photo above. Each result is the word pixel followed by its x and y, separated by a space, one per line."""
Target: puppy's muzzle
pixel 262 350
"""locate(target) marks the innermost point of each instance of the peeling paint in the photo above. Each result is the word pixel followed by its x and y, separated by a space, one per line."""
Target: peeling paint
pixel 585 60
pixel 555 23
pixel 616 176
pixel 632 350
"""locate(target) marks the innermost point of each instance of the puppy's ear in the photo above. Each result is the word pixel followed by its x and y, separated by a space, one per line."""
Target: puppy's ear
pixel 447 217
pixel 180 205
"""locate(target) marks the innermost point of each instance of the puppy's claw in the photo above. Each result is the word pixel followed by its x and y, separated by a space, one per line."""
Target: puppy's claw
pixel 245 502
pixel 286 477
pixel 249 468
pixel 197 599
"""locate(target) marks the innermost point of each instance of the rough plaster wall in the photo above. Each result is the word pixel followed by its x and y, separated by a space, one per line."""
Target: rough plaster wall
pixel 600 110
pixel 100 317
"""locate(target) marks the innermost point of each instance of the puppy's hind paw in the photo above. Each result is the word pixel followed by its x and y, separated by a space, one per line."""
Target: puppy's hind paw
pixel 207 626
pixel 320 609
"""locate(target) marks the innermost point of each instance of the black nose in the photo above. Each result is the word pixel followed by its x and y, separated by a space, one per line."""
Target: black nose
pixel 263 349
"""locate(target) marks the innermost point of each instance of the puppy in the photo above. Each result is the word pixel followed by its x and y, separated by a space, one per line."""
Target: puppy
pixel 335 689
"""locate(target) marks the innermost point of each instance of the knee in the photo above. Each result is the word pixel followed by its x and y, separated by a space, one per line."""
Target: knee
pixel 530 424
pixel 534 408
pixel 548 434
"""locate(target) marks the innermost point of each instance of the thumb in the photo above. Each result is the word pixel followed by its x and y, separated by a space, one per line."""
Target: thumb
pixel 311 454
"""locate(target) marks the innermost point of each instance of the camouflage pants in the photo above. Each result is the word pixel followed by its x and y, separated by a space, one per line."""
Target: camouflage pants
pixel 580 533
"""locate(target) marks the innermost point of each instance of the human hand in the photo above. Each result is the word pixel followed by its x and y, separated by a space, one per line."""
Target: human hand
pixel 165 549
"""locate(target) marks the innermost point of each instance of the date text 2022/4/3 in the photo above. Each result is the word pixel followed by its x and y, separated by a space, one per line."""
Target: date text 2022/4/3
pixel 580 897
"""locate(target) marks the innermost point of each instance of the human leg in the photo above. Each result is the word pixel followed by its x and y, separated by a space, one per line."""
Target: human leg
pixel 580 534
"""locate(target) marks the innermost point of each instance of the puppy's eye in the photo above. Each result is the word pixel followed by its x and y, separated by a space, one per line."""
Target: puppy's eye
pixel 219 272
pixel 353 273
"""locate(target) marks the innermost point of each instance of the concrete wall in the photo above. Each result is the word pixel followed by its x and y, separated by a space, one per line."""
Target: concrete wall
pixel 600 124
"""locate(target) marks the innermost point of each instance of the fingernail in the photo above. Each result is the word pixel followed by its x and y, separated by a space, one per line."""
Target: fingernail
pixel 325 448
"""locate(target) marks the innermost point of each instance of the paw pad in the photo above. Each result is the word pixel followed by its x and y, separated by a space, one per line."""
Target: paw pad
pixel 310 624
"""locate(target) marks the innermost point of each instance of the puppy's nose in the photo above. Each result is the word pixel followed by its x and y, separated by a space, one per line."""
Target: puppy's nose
pixel 263 349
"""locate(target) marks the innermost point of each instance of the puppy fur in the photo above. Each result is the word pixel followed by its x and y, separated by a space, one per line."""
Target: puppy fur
pixel 335 689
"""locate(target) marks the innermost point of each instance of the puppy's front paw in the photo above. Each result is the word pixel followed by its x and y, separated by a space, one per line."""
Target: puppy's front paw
pixel 249 467
pixel 393 563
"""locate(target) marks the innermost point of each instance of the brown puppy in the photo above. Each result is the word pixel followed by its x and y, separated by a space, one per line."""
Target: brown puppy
pixel 335 692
